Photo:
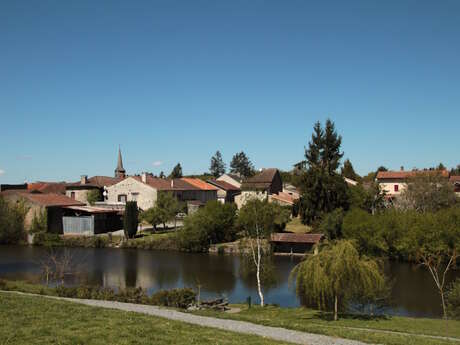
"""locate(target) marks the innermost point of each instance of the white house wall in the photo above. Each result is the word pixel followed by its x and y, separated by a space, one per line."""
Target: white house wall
pixel 145 195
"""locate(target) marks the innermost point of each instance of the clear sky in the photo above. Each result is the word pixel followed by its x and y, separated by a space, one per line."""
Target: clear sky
pixel 174 81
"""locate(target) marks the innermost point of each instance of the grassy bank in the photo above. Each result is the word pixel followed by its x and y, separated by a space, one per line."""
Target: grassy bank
pixel 373 329
pixel 295 225
pixel 36 320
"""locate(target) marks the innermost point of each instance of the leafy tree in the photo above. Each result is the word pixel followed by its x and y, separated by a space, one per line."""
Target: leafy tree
pixel 153 216
pixel 131 219
pixel 331 225
pixel 176 172
pixel 167 206
pixel 323 189
pixel 453 300
pixel 434 242
pixel 349 172
pixel 39 222
pixel 336 276
pixel 427 192
pixel 12 217
pixel 213 223
pixel 241 164
pixel 441 167
pixel 370 198
pixel 217 167
pixel 258 220
pixel 455 171
pixel 93 196
pixel 162 174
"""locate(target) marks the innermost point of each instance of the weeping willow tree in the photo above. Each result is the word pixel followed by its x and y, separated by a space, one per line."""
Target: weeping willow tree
pixel 337 275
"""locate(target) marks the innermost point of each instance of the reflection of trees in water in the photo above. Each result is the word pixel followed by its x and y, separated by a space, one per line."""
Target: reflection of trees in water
pixel 215 273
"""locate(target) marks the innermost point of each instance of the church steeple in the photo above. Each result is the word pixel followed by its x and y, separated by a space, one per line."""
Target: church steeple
pixel 120 171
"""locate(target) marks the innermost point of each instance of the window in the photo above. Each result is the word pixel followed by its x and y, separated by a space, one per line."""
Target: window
pixel 122 198
pixel 396 187
pixel 72 195
pixel 134 196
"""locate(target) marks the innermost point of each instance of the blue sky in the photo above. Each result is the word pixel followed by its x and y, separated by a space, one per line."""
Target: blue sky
pixel 173 81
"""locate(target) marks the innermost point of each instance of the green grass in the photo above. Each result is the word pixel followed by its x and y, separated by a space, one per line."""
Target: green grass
pixel 308 320
pixel 162 241
pixel 295 225
pixel 36 320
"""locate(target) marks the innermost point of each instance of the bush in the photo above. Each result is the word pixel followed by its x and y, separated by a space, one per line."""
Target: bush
pixel 131 219
pixel 177 298
pixel 64 291
pixel 453 300
pixel 331 225
pixel 12 222
pixel 132 295
pixel 47 239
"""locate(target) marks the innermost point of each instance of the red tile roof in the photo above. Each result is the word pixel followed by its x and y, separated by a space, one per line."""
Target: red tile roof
pixel 284 197
pixel 407 174
pixel 45 199
pixel 97 181
pixel 202 185
pixel 223 185
pixel 48 187
pixel 455 179
pixel 296 238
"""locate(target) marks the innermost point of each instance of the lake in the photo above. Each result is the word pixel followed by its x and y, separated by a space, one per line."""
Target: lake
pixel 413 291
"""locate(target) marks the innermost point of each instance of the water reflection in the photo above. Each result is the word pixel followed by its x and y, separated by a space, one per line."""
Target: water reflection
pixel 413 292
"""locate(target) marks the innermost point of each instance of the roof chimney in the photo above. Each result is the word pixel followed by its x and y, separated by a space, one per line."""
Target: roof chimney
pixel 84 179
pixel 402 168
pixel 144 177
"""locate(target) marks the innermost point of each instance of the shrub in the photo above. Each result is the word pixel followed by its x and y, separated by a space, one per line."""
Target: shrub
pixel 331 225
pixel 47 239
pixel 132 295
pixel 453 300
pixel 178 298
pixel 12 221
pixel 64 291
pixel 85 292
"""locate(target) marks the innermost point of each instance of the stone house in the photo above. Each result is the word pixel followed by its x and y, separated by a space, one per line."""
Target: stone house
pixel 144 190
pixel 233 179
pixel 37 203
pixel 260 186
pixel 226 192
pixel 79 190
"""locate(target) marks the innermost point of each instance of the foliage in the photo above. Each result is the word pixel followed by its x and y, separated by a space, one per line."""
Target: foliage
pixel 12 217
pixel 323 189
pixel 39 222
pixel 131 219
pixel 165 241
pixel 455 171
pixel 176 172
pixel 370 198
pixel 93 196
pixel 164 210
pixel 258 220
pixel 176 298
pixel 214 223
pixel 240 164
pixel 336 276
pixel 453 300
pixel 331 224
pixel 217 167
pixel 349 172
pixel 427 192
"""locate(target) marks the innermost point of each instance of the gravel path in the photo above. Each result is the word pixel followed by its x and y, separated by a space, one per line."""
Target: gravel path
pixel 275 333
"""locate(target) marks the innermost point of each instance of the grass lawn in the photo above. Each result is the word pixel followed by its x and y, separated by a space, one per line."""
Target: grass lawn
pixel 295 225
pixel 34 320
pixel 308 320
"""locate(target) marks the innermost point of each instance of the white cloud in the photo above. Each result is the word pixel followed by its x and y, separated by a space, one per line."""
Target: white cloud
pixel 2 172
pixel 157 163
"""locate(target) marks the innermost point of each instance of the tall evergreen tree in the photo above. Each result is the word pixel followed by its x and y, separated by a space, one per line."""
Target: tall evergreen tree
pixel 176 172
pixel 131 219
pixel 348 171
pixel 241 164
pixel 323 189
pixel 217 167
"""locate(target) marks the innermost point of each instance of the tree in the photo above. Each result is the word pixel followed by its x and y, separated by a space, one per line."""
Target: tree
pixel 331 225
pixel 349 172
pixel 162 174
pixel 131 219
pixel 453 300
pixel 241 164
pixel 153 216
pixel 434 242
pixel 217 167
pixel 258 220
pixel 176 172
pixel 427 191
pixel 167 206
pixel 12 217
pixel 337 275
pixel 93 196
pixel 323 189
pixel 370 198
pixel 455 171
pixel 214 223
pixel 441 167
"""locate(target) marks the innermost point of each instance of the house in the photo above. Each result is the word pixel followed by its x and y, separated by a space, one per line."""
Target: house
pixel 394 182
pixel 38 203
pixel 283 198
pixel 226 192
pixel 455 180
pixel 233 179
pixel 260 186
pixel 294 243
pixel 79 190
pixel 47 187
pixel 144 190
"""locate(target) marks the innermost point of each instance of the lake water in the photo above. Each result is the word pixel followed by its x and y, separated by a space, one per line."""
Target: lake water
pixel 413 291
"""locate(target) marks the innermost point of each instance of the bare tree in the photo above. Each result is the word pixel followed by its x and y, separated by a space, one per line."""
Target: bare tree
pixel 57 264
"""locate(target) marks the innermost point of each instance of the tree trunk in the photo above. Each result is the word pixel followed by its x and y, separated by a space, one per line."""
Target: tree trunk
pixel 335 307
pixel 259 288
